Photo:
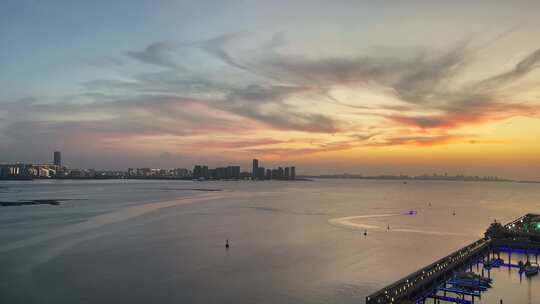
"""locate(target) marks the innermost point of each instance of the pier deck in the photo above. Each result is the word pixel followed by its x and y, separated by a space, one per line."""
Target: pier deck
pixel 520 234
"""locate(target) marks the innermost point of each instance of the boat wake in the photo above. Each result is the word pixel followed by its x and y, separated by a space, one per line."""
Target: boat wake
pixel 117 216
pixel 442 233
pixel 350 222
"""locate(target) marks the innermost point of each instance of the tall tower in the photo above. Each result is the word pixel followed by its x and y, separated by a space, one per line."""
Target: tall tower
pixel 57 158
pixel 255 169
pixel 293 172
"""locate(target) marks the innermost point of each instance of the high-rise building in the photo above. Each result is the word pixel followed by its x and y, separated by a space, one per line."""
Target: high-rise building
pixel 260 173
pixel 197 171
pixel 255 168
pixel 280 173
pixel 205 172
pixel 180 172
pixel 275 173
pixel 234 172
pixel 57 159
pixel 293 172
pixel 287 172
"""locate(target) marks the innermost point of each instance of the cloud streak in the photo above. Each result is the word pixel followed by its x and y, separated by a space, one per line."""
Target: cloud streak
pixel 270 99
pixel 159 54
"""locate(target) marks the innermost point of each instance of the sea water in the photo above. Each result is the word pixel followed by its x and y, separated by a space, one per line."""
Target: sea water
pixel 320 241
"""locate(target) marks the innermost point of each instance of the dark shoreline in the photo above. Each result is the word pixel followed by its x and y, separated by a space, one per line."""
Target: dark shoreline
pixel 51 202
pixel 412 179
pixel 155 178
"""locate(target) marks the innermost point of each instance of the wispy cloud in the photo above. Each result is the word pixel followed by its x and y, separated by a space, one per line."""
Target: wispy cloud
pixel 273 91
pixel 521 69
pixel 159 54
pixel 480 102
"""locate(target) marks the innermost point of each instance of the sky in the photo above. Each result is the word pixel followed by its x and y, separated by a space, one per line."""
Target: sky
pixel 366 87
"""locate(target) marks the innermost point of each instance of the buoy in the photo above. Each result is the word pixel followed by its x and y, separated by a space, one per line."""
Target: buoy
pixel 388 227
pixel 454 213
pixel 365 232
pixel 227 244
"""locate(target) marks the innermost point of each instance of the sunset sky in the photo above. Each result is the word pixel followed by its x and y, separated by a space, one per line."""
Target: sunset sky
pixel 370 87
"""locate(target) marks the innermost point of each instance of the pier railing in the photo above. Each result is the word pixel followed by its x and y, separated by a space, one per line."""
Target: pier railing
pixel 423 279
pixel 518 221
pixel 418 284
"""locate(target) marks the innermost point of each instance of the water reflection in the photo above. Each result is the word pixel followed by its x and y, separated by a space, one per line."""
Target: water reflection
pixel 509 284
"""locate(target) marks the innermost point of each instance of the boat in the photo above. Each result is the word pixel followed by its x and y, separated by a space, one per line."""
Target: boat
pixel 495 263
pixel 531 270
pixel 469 284
pixel 471 276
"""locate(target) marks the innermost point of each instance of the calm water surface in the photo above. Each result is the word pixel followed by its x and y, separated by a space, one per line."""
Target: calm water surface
pixel 291 242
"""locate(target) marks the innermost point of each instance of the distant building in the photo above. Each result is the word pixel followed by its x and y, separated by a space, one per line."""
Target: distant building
pixel 255 168
pixel 45 172
pixel 205 172
pixel 180 172
pixel 14 170
pixel 233 172
pixel 260 173
pixel 229 172
pixel 144 172
pixel 57 159
pixel 281 173
pixel 274 173
pixel 200 171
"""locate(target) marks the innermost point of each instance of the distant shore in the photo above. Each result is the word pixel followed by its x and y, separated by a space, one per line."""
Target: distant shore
pixel 406 178
pixel 298 179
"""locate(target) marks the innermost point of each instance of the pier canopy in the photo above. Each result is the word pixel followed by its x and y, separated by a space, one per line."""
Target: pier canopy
pixel 526 227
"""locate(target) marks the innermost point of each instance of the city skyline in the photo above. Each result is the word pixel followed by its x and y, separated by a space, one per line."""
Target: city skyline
pixel 352 86
pixel 55 169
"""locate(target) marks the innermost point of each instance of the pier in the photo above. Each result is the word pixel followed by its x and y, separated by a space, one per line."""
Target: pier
pixel 521 235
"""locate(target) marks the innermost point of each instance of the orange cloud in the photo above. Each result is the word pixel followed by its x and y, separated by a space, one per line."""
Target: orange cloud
pixel 456 117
